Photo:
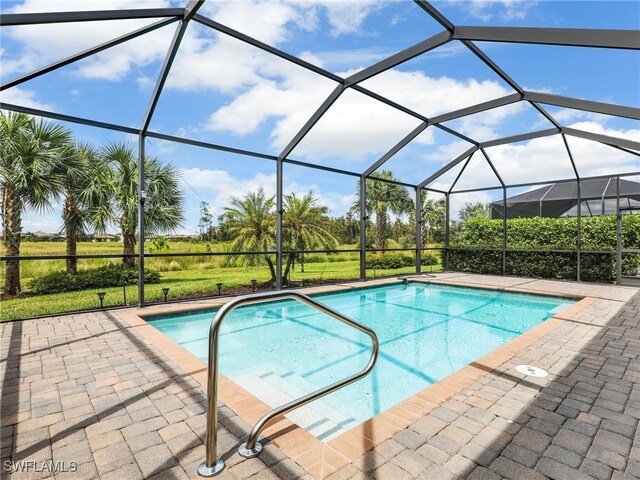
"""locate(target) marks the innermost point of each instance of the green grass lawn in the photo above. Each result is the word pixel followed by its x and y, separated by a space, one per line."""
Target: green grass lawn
pixel 185 276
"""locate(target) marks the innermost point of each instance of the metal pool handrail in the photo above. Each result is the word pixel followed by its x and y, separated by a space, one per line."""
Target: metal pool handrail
pixel 213 465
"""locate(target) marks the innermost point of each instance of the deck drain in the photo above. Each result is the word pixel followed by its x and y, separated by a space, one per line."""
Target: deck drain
pixel 531 370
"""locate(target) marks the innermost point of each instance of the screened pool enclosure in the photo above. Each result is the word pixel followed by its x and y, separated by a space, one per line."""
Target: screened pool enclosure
pixel 503 169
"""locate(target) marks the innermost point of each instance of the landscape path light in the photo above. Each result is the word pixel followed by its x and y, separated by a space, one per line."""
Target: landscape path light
pixel 101 297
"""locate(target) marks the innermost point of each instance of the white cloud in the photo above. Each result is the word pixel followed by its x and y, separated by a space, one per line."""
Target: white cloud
pixel 568 115
pixel 265 21
pixel 358 58
pixel 487 10
pixel 459 200
pixel 345 59
pixel 273 21
pixel 547 159
pixel 594 158
pixel 516 9
pixel 25 98
pixel 485 125
pixel 432 96
pixel 207 61
pixel 247 112
pixel 145 83
pixel 42 44
pixel 117 62
pixel 218 186
pixel 536 160
pixel 447 151
pixel 356 125
pixel 35 6
pixel 396 20
pixel 265 87
pixel 270 22
pixel 348 16
pixel 33 222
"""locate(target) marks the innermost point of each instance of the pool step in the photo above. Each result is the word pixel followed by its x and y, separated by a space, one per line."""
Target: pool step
pixel 275 385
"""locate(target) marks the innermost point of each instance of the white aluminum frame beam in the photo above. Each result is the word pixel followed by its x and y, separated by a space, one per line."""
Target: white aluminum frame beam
pixel 396 148
pixel 519 138
pixel 607 140
pixel 585 105
pixel 400 57
pixel 68 118
pixel 573 37
pixel 188 13
pixel 88 52
pixel 448 166
pixel 322 109
pixel 480 107
pixel 14 19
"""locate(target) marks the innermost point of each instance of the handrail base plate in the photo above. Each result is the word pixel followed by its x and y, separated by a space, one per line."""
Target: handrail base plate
pixel 205 471
pixel 245 452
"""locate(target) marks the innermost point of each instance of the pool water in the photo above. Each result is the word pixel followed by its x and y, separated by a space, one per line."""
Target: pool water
pixel 281 350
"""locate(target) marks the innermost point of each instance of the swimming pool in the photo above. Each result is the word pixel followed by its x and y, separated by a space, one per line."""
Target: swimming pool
pixel 282 350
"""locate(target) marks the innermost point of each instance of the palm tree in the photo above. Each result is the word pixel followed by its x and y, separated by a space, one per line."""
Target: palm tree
pixel 302 226
pixel 86 191
pixel 32 158
pixel 433 212
pixel 251 222
pixel 383 198
pixel 163 209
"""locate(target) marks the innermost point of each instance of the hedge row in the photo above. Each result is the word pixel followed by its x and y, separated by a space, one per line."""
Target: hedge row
pixel 598 233
pixel 399 260
pixel 109 275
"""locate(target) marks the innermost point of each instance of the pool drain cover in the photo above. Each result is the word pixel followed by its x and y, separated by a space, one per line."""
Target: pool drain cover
pixel 531 370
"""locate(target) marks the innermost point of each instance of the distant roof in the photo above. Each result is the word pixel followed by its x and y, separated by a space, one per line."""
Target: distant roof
pixel 598 188
pixel 558 199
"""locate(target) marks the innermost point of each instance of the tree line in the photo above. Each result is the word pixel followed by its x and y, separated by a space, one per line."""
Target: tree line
pixel 41 164
pixel 384 200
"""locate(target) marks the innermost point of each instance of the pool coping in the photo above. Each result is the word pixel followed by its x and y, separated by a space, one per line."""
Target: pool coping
pixel 323 458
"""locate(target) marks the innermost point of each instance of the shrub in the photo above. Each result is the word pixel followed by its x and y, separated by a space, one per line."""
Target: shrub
pixel 389 261
pixel 542 265
pixel 159 245
pixel 109 275
pixel 428 259
pixel 476 261
pixel 598 233
pixel 55 282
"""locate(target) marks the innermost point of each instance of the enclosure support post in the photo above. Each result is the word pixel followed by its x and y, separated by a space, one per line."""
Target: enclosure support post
pixel 579 232
pixel 579 212
pixel 363 228
pixel 279 212
pixel 604 194
pixel 447 215
pixel 419 230
pixel 504 230
pixel 141 200
pixel 190 10
pixel 504 211
pixel 618 235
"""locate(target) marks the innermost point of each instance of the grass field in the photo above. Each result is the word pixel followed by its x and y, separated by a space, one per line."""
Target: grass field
pixel 184 276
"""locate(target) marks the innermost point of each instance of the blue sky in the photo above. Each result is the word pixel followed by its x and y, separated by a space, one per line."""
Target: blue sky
pixel 223 91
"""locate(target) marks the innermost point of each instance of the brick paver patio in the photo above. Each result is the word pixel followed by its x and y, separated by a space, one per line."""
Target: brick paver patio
pixel 89 389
